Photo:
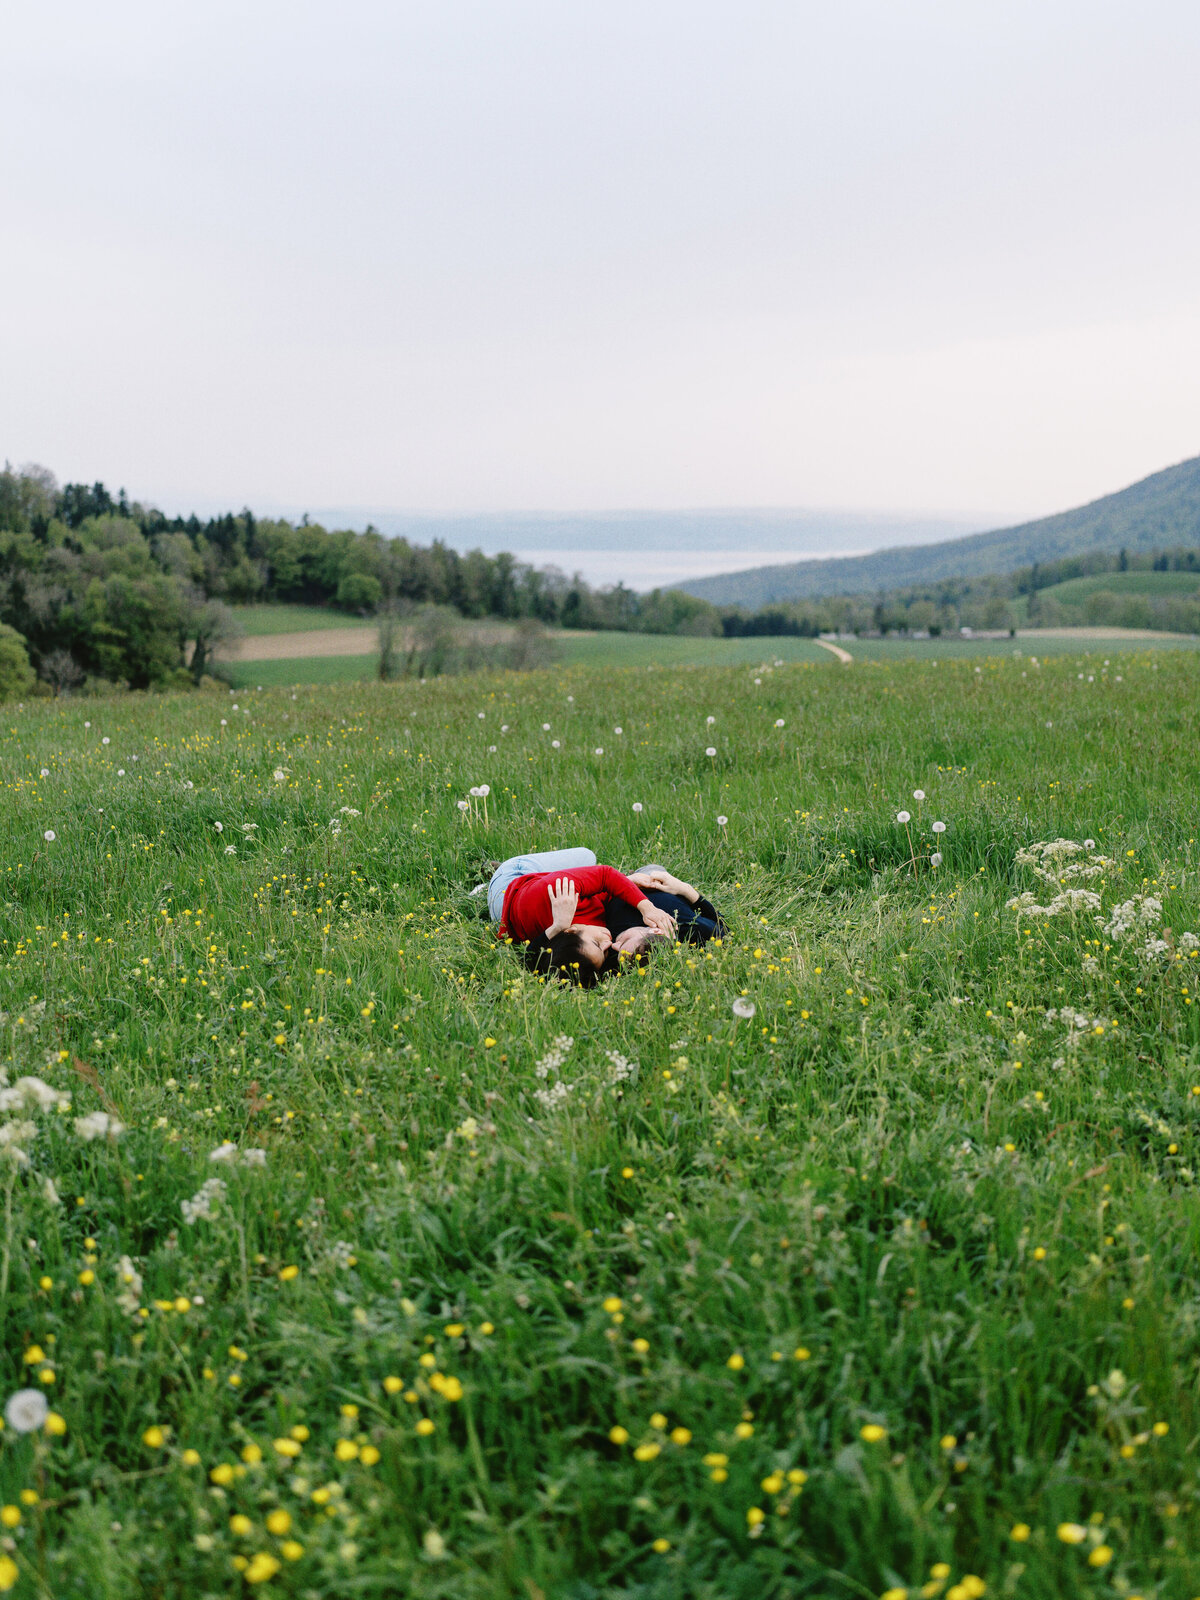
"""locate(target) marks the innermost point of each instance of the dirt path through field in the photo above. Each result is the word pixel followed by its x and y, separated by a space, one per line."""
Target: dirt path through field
pixel 843 656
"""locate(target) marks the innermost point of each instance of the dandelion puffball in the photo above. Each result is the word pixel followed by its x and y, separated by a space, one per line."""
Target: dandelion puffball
pixel 279 774
pixel 464 805
pixel 935 859
pixel 721 821
pixel 481 715
pixel 939 827
pixel 485 789
pixel 45 772
pixel 1089 844
pixel 599 749
pixel 49 836
pixel 744 1008
pixel 779 722
pixel 120 772
pixel 618 730
pixel 903 816
pixel 556 744
pixel 711 751
pixel 918 794
pixel 219 826
pixel 637 805
pixel 545 727
pixel 224 722
pixel 26 1410
pixel 105 739
pixel 710 720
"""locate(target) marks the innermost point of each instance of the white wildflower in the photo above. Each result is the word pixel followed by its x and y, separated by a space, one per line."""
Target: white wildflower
pixel 32 1094
pixel 98 1125
pixel 223 1152
pixel 349 811
pixel 464 805
pixel 552 1097
pixel 1189 942
pixel 219 826
pixel 231 849
pixel 26 1410
pixel 279 774
pixel 254 1157
pixel 341 1254
pixel 710 720
pixel 1141 911
pixel 14 1136
pixel 620 1067
pixel 130 1279
pixel 50 1193
pixel 555 1056
pixel 204 1203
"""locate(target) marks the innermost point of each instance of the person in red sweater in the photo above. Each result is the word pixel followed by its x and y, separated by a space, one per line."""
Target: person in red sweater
pixel 561 896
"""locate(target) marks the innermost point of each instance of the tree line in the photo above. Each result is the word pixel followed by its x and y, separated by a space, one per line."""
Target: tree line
pixel 104 587
pixel 97 587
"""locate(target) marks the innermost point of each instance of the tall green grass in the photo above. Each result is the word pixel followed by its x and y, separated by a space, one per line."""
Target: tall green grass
pixel 896 1234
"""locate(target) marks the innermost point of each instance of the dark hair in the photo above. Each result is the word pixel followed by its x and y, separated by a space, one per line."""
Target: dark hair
pixel 567 960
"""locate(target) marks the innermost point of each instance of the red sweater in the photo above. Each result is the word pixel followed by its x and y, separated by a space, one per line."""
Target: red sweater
pixel 527 902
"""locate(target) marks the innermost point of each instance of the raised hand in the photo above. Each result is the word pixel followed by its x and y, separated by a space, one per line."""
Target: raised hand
pixel 564 897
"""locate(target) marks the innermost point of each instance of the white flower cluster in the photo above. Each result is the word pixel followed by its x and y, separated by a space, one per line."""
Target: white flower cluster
pixel 1069 900
pixel 32 1094
pixel 229 1152
pixel 1141 912
pixel 553 1059
pixel 620 1068
pixel 1077 1023
pixel 550 1099
pixel 130 1279
pixel 98 1125
pixel 204 1203
pixel 1054 861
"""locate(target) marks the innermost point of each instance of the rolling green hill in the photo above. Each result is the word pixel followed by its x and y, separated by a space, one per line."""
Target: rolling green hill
pixel 1162 510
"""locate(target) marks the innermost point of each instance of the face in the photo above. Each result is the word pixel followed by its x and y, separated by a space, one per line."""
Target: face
pixel 594 943
pixel 634 940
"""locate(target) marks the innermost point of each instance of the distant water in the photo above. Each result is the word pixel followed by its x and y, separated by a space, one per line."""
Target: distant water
pixel 647 549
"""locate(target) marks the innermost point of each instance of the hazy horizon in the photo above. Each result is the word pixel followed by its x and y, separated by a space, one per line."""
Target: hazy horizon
pixel 644 548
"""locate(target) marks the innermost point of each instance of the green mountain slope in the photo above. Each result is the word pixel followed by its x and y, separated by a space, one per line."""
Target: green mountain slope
pixel 1157 512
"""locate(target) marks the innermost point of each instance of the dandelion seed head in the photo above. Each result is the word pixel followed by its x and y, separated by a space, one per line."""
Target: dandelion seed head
pixel 743 1008
pixel 918 794
pixel 49 836
pixel 903 816
pixel 938 827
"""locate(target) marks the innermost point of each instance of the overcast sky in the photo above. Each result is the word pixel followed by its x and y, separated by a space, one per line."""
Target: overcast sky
pixel 877 253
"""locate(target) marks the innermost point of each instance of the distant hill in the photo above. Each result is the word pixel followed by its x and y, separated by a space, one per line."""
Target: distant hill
pixel 1160 511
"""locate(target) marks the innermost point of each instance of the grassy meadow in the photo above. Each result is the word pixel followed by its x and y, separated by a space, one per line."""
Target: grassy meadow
pixel 853 1256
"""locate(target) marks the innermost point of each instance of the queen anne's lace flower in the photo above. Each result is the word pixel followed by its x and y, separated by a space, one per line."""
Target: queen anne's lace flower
pixel 98 1125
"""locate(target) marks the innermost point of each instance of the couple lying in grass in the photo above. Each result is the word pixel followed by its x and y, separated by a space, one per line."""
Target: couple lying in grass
pixel 577 919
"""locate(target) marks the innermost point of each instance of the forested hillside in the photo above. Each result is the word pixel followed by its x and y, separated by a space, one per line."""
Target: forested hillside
pixel 1154 514
pixel 107 588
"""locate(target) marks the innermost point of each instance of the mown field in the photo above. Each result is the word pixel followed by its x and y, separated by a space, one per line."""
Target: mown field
pixel 854 1256
pixel 606 650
